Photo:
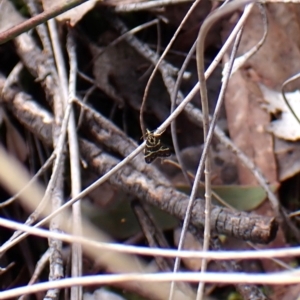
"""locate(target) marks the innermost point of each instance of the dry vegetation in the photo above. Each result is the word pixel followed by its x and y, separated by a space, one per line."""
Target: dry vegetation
pixel 116 148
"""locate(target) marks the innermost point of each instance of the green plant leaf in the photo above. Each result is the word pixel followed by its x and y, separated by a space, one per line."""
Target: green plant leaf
pixel 242 197
pixel 239 197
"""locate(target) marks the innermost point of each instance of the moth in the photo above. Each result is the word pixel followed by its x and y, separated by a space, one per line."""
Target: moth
pixel 154 148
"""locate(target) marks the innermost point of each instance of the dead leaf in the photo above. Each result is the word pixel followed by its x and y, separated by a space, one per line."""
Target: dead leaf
pixel 279 57
pixel 247 122
pixel 286 126
pixel 287 17
pixel 277 60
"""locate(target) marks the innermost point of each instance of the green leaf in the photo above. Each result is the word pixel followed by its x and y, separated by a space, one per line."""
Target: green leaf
pixel 242 197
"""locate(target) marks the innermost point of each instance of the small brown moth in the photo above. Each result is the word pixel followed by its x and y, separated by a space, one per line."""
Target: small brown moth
pixel 154 148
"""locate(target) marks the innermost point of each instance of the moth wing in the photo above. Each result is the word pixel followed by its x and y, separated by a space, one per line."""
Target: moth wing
pixel 149 156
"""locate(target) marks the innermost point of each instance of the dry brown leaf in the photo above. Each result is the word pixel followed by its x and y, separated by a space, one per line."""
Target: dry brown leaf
pixel 287 17
pixel 279 57
pixel 246 124
pixel 276 61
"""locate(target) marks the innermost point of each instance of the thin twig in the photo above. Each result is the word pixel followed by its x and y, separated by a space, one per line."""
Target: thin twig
pixel 207 74
pixel 200 291
pixel 50 84
pixel 17 236
pixel 174 96
pixel 151 233
pixel 113 262
pixel 279 278
pixel 41 29
pixel 55 261
pixel 146 5
pixel 111 169
pixel 37 20
pixel 196 116
pixel 146 91
pixel 108 167
pixel 291 79
pixel 123 248
pixel 247 291
pixel 240 61
pixel 46 165
pixel 149 228
pixel 200 66
pixel 12 77
pixel 76 291
pixel 40 265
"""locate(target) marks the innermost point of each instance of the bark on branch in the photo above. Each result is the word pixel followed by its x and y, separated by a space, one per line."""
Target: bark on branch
pixel 132 179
